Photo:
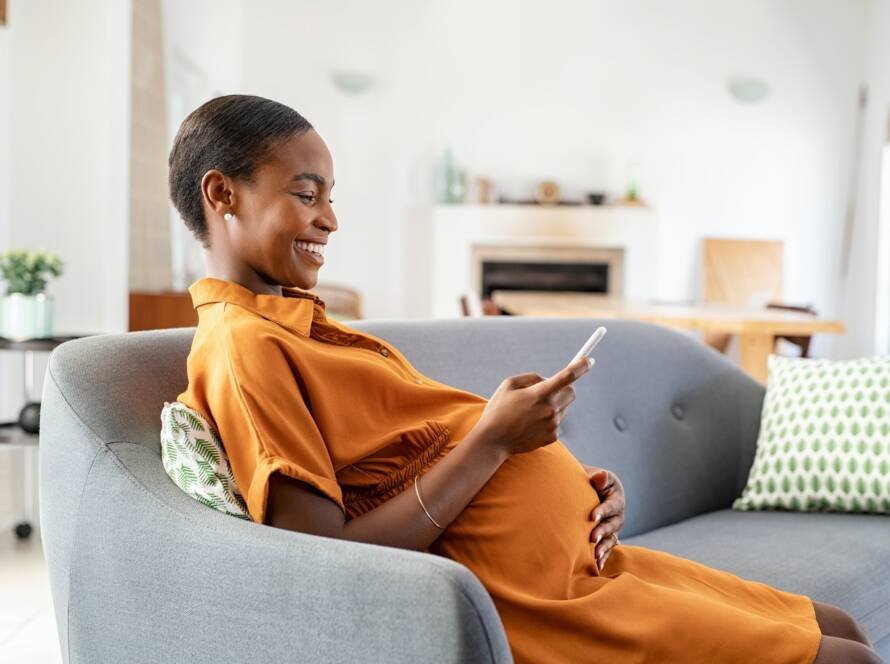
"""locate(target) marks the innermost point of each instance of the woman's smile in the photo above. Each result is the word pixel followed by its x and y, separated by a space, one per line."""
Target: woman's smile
pixel 311 252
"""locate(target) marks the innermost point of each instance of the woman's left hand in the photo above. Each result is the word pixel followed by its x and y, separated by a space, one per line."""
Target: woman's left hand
pixel 609 514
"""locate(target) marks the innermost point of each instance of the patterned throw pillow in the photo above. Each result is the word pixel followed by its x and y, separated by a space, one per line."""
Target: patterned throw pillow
pixel 824 442
pixel 195 460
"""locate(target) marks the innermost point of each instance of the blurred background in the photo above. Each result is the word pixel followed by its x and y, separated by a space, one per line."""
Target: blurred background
pixel 634 131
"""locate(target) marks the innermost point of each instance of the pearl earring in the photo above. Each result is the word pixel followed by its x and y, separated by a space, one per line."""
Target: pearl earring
pixel 228 216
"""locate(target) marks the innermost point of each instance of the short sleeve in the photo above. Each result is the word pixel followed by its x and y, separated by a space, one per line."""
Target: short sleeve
pixel 264 423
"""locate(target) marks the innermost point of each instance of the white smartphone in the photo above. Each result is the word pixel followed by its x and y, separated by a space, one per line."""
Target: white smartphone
pixel 590 344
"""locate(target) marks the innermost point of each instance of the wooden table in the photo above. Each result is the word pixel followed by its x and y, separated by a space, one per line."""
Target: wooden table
pixel 756 328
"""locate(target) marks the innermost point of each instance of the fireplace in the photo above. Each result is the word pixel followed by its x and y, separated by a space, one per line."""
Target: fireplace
pixel 547 268
pixel 601 249
pixel 543 276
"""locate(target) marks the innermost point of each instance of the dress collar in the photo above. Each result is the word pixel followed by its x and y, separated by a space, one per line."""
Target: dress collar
pixel 295 309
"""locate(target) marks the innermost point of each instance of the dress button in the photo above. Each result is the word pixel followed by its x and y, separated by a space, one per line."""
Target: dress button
pixel 384 351
pixel 677 410
pixel 619 423
pixel 419 382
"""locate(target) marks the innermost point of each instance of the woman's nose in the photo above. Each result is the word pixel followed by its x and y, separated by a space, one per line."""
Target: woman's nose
pixel 328 219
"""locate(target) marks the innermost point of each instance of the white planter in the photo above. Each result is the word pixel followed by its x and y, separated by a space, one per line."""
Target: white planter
pixel 26 316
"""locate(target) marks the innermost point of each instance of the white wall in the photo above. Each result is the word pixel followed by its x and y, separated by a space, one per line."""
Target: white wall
pixel 203 60
pixel 865 291
pixel 69 152
pixel 576 93
pixel 65 161
pixel 4 136
pixel 8 366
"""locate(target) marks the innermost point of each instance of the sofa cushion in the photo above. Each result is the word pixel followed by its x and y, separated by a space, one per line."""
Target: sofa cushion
pixel 824 441
pixel 839 559
pixel 196 461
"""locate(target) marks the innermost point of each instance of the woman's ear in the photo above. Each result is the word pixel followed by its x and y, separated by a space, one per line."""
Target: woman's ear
pixel 216 191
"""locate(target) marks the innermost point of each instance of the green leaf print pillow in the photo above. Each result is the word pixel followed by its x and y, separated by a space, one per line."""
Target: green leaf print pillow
pixel 824 442
pixel 196 461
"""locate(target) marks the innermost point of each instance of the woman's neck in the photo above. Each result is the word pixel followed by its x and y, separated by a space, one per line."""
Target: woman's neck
pixel 240 274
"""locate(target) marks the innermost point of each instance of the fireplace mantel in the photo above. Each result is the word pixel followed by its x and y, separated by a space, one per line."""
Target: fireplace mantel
pixel 457 229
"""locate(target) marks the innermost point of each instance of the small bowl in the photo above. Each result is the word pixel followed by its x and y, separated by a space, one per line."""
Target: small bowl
pixel 596 199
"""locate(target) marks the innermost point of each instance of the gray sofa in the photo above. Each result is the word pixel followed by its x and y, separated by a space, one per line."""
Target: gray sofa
pixel 142 573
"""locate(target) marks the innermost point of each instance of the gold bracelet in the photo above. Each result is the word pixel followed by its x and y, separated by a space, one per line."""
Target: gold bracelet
pixel 417 491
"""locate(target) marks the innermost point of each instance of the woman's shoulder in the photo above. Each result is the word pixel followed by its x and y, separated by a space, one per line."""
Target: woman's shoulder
pixel 231 331
pixel 243 331
pixel 227 319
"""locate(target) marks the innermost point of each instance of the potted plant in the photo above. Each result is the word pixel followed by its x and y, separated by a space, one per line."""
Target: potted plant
pixel 26 310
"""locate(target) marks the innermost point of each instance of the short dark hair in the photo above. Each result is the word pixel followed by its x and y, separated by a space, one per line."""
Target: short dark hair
pixel 232 134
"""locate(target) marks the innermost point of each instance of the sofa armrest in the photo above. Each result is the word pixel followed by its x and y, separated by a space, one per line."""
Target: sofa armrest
pixel 141 572
pixel 157 577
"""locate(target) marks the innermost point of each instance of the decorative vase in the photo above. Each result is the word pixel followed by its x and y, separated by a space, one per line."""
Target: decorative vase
pixel 26 316
pixel 449 181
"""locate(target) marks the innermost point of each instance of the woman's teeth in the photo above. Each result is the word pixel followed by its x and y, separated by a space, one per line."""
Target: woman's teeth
pixel 310 246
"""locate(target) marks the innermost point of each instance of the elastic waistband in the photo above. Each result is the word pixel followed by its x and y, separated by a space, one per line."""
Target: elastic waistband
pixel 359 500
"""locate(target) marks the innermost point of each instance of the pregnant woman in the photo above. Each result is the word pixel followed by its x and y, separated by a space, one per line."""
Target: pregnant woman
pixel 331 431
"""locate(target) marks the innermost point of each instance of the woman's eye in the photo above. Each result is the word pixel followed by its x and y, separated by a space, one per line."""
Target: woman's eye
pixel 306 198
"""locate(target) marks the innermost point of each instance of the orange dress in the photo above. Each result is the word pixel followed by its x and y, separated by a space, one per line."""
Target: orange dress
pixel 292 391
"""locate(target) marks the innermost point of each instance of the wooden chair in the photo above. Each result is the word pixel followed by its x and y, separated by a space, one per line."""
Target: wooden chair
pixel 341 302
pixel 745 273
pixel 801 342
pixel 472 305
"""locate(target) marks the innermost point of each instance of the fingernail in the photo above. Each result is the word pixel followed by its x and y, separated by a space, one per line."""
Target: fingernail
pixel 598 538
pixel 598 517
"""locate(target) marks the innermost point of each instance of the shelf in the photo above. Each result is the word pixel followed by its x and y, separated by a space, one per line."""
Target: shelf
pixel 47 343
pixel 533 207
pixel 11 437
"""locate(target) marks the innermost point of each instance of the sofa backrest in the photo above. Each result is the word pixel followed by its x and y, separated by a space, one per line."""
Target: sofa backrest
pixel 676 421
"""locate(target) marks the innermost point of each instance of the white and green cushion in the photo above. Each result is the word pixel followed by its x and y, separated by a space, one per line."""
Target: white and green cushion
pixel 196 461
pixel 824 442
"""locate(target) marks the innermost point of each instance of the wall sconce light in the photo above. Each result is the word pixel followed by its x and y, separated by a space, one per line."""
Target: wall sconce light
pixel 351 81
pixel 747 90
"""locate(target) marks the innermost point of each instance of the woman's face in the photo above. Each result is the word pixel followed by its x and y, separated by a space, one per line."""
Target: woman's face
pixel 288 202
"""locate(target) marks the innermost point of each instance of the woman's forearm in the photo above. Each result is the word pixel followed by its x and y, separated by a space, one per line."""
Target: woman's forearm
pixel 446 488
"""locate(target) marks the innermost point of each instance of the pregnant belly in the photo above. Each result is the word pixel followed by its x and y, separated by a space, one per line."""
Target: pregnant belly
pixel 528 525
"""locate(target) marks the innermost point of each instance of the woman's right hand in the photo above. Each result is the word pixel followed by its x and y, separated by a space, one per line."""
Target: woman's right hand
pixel 525 411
